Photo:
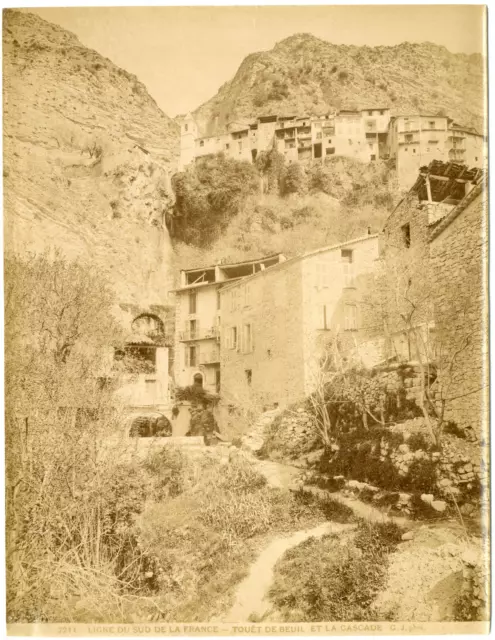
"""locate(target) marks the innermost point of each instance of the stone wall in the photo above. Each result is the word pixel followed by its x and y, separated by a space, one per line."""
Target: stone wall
pixel 272 305
pixel 459 272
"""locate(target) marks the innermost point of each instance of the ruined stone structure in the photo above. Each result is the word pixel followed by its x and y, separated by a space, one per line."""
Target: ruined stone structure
pixel 434 255
pixel 144 364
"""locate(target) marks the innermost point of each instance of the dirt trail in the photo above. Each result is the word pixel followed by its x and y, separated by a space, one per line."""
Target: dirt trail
pixel 251 600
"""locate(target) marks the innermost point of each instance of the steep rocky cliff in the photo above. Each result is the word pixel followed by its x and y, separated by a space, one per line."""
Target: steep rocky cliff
pixel 88 157
pixel 303 74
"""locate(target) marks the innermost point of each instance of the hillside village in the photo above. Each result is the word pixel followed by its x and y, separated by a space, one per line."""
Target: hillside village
pixel 190 438
pixel 369 135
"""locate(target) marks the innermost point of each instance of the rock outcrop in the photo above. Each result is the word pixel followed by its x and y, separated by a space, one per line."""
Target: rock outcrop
pixel 306 75
pixel 88 157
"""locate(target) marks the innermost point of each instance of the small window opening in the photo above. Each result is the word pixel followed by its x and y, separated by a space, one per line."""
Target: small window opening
pixel 192 301
pixel 406 234
pixel 192 329
pixel 192 356
pixel 249 376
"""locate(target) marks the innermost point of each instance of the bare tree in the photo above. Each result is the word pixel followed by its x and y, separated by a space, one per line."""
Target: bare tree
pixel 403 301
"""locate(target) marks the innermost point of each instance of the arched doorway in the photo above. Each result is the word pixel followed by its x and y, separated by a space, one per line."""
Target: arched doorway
pixel 198 380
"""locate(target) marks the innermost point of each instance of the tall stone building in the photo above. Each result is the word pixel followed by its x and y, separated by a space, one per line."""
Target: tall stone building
pixel 276 322
pixel 198 317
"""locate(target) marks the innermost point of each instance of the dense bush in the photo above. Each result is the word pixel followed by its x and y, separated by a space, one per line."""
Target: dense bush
pixel 295 180
pixel 322 580
pixel 71 496
pixel 208 195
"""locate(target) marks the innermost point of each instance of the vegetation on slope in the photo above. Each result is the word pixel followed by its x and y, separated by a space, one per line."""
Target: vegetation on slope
pixel 94 535
pixel 322 580
pixel 274 207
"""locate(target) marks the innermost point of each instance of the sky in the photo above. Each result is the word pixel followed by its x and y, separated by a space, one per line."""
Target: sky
pixel 184 54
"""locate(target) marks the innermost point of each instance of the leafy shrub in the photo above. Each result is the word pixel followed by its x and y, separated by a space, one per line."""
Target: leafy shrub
pixel 278 91
pixel 295 180
pixel 321 580
pixel 208 195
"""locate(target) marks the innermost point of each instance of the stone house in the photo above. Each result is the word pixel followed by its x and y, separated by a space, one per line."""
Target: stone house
pixel 415 140
pixel 198 315
pixel 275 322
pixel 432 293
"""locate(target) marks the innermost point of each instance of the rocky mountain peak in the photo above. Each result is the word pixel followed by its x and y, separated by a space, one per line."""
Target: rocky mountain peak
pixel 304 74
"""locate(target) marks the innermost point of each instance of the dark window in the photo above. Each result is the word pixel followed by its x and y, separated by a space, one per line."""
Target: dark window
pixel 186 127
pixel 201 143
pixel 249 376
pixel 227 146
pixel 381 113
pixel 373 157
pixel 219 298
pixel 192 329
pixel 192 356
pixel 192 301
pixel 370 113
pixel 406 234
pixel 346 255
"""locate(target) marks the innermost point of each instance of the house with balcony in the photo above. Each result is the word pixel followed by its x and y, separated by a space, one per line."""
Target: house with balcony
pixel 198 317
pixel 417 140
pixel 275 323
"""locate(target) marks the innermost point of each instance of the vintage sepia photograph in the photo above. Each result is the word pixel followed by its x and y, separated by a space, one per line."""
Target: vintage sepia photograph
pixel 246 320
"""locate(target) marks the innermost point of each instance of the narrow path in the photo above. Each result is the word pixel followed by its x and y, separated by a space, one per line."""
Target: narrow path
pixel 361 509
pixel 282 476
pixel 251 598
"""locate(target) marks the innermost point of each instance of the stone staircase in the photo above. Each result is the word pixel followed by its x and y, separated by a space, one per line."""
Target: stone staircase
pixel 253 441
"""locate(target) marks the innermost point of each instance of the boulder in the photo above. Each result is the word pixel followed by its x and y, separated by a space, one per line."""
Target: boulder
pixel 409 535
pixel 427 497
pixel 439 505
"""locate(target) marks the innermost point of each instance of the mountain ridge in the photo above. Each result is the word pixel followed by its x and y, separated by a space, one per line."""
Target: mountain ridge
pixel 306 75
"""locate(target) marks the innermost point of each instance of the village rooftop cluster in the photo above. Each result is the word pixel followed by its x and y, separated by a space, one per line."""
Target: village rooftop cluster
pixel 367 135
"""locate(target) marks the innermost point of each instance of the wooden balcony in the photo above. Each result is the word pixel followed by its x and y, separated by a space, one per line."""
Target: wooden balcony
pixel 212 333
